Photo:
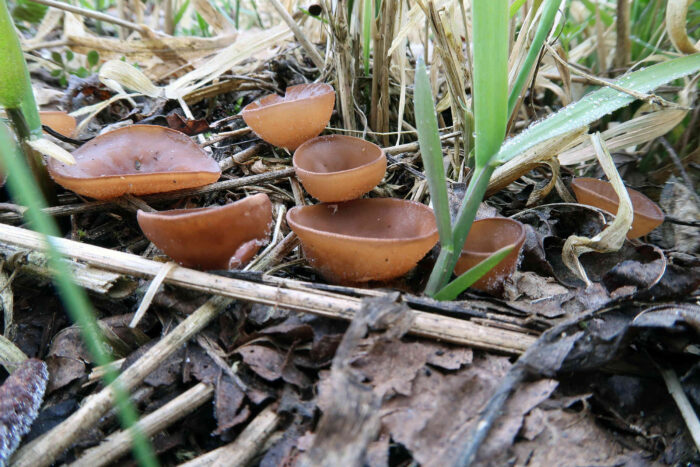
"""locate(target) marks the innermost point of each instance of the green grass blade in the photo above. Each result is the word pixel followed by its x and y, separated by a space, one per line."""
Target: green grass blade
pixel 366 32
pixel 25 192
pixel 515 6
pixel 598 104
pixel 490 27
pixel 431 153
pixel 459 285
pixel 15 86
pixel 545 25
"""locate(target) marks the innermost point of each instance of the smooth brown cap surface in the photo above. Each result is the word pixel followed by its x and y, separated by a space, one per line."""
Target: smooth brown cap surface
pixel 137 159
pixel 364 239
pixel 219 237
pixel 288 121
pixel 601 194
pixel 338 168
pixel 486 237
pixel 59 121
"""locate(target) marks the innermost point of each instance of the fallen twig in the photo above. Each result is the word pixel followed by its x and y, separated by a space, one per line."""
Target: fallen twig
pixel 240 452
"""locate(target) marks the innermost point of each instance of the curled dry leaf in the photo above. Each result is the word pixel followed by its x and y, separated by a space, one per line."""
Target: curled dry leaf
pixel 676 12
pixel 613 237
pixel 20 398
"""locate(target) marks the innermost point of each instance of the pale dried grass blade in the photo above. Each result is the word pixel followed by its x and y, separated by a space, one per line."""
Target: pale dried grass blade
pixel 47 25
pixel 415 20
pixel 51 149
pixel 612 237
pixel 92 110
pixel 118 75
pixel 537 155
pixel 151 292
pixel 244 47
pixel 220 23
pixel 142 51
pixel 676 14
pixel 629 133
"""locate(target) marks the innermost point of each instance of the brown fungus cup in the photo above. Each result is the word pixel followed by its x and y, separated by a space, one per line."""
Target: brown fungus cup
pixel 338 168
pixel 601 194
pixel 137 159
pixel 364 239
pixel 218 237
pixel 58 121
pixel 288 121
pixel 486 237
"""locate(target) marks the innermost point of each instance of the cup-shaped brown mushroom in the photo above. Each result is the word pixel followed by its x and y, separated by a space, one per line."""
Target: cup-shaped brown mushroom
pixel 601 194
pixel 218 237
pixel 137 159
pixel 339 168
pixel 288 121
pixel 486 237
pixel 364 239
pixel 58 121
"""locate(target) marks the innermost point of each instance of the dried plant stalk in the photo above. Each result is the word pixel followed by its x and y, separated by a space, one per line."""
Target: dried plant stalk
pixel 241 451
pixel 118 444
pixel 330 305
pixel 344 63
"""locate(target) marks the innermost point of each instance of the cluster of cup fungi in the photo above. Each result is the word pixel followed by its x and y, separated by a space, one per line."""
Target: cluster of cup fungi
pixel 346 238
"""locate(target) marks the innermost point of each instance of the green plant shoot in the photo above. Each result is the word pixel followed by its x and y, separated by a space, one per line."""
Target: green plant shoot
pixel 465 280
pixel 15 85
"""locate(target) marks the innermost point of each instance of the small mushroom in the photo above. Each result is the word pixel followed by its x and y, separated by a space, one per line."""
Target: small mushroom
pixel 219 237
pixel 338 168
pixel 137 159
pixel 486 237
pixel 58 121
pixel 364 239
pixel 601 194
pixel 288 121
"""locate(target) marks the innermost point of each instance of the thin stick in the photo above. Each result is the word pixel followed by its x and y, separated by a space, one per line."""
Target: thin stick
pixel 281 211
pixel 240 157
pixel 226 134
pixel 676 390
pixel 299 34
pixel 93 14
pixel 650 98
pixel 276 255
pixel 118 444
pixel 44 450
pixel 151 292
pixel 92 206
pixel 331 305
pixel 240 452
